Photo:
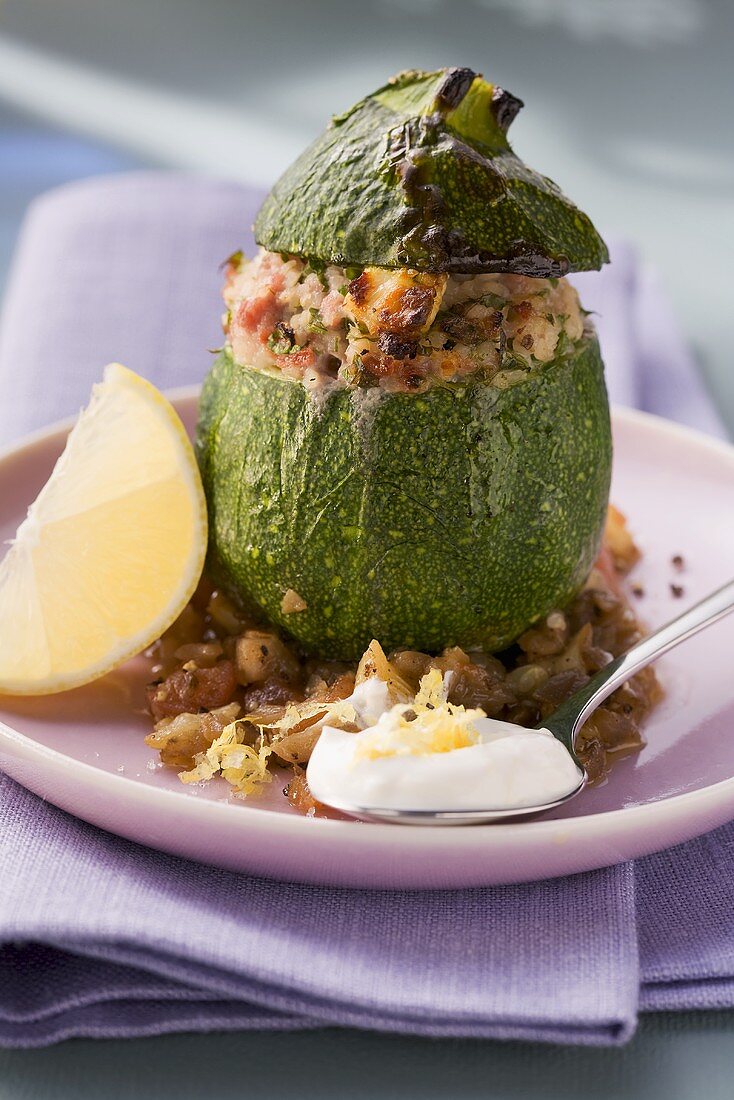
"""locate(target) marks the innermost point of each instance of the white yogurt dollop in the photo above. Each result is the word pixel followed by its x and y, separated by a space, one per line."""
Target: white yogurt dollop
pixel 508 768
pixel 370 699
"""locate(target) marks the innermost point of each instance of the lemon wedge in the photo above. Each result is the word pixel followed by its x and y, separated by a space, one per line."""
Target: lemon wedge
pixel 112 548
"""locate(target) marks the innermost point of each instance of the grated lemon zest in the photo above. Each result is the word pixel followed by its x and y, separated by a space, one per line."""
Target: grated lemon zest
pixel 429 725
pixel 245 768
pixel 296 713
pixel 432 690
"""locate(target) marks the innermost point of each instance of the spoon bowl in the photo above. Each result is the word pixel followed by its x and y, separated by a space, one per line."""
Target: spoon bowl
pixel 454 817
pixel 566 722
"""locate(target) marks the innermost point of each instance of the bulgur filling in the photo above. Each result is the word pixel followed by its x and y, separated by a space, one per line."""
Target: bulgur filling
pixel 400 329
pixel 233 697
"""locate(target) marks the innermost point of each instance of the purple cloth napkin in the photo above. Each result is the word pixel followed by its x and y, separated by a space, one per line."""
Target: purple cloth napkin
pixel 101 937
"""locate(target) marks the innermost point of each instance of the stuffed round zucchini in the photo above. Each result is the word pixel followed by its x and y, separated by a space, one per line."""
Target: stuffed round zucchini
pixel 406 436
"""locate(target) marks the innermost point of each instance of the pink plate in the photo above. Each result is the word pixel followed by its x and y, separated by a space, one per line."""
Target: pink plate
pixel 84 751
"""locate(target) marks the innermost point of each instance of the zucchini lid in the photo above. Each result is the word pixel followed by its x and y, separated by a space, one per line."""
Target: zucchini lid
pixel 420 174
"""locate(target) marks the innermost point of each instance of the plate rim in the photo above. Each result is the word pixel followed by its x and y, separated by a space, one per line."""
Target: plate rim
pixel 290 826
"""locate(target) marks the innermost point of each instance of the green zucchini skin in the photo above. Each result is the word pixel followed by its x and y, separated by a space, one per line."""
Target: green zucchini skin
pixel 454 517
pixel 420 174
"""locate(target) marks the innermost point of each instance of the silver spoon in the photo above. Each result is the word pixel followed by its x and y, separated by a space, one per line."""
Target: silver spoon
pixel 567 720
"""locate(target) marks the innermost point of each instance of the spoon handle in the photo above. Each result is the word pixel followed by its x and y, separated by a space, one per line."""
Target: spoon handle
pixel 565 723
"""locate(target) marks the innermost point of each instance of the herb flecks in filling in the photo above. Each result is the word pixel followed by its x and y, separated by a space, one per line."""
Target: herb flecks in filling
pixel 399 329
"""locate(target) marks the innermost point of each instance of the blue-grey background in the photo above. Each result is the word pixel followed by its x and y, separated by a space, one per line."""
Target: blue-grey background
pixel 629 105
pixel 629 108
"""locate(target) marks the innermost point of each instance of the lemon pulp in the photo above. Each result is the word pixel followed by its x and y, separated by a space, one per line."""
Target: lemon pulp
pixel 112 548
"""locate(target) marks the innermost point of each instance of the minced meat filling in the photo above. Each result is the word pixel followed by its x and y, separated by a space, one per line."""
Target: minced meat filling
pixel 400 329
